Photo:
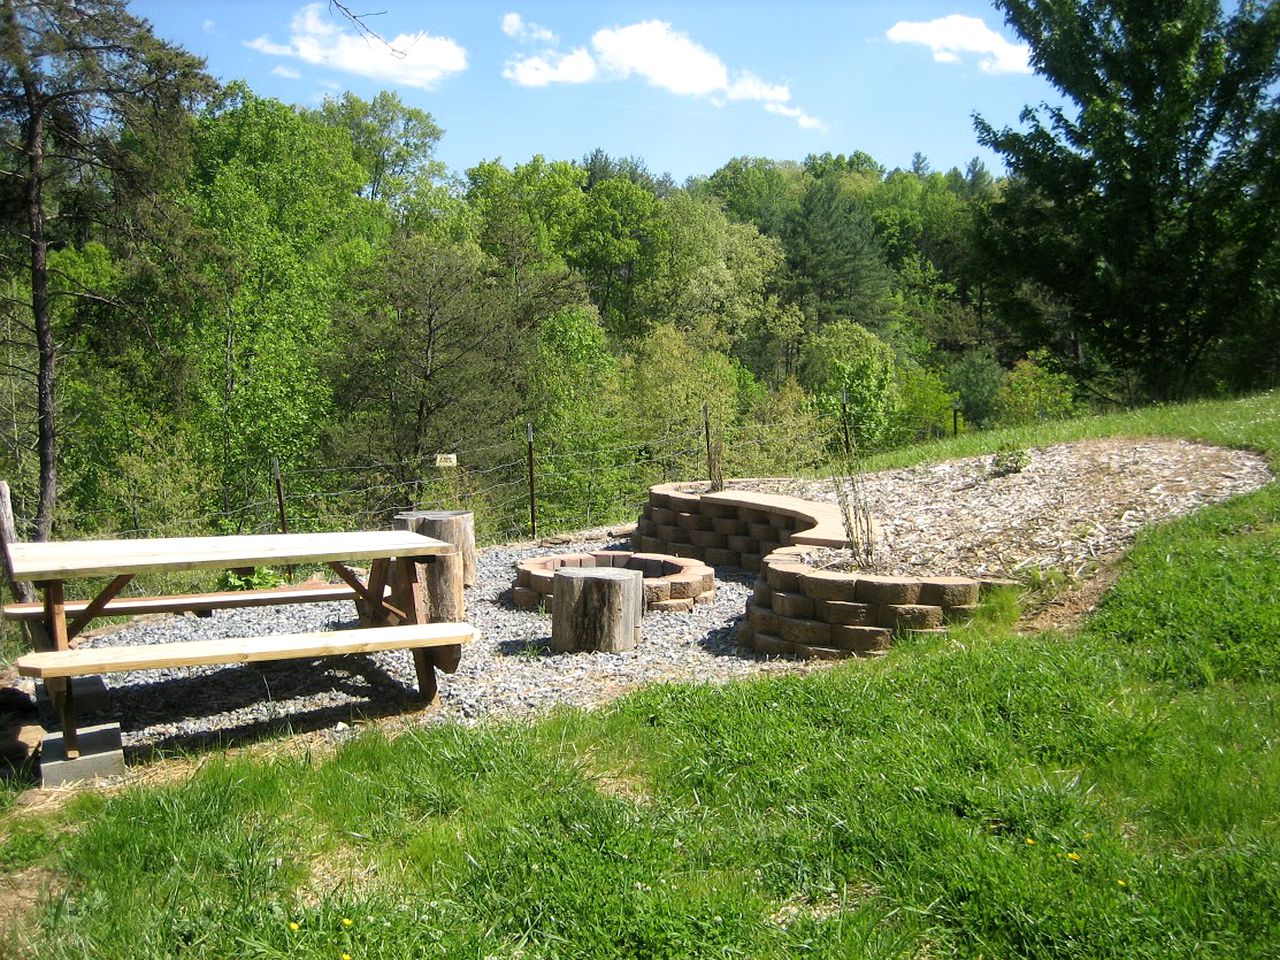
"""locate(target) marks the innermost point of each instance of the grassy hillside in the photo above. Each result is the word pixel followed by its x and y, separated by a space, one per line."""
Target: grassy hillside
pixel 1114 793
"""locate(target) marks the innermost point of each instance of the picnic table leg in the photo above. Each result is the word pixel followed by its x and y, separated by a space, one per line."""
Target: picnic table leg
pixel 447 603
pixel 405 597
pixel 55 620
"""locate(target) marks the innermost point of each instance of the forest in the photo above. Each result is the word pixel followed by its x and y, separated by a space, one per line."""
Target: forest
pixel 198 284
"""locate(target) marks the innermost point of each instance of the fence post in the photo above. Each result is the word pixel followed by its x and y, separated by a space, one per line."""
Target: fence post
pixel 284 518
pixel 844 419
pixel 533 489
pixel 715 468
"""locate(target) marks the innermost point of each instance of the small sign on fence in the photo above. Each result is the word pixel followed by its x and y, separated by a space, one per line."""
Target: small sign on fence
pixel 446 459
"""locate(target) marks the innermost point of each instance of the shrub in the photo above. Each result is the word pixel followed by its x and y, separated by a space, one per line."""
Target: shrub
pixel 1033 391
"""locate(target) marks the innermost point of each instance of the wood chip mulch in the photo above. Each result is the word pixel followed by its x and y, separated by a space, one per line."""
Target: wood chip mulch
pixel 1072 507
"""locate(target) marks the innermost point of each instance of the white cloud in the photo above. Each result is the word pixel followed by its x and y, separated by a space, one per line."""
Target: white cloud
pixel 410 59
pixel 750 87
pixel 949 37
pixel 805 121
pixel 656 53
pixel 208 26
pixel 287 72
pixel 576 67
pixel 516 27
pixel 662 56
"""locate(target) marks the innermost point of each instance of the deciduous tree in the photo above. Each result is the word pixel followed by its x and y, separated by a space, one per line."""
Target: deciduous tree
pixel 81 82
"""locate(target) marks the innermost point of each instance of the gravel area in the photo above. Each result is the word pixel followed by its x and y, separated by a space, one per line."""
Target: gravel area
pixel 508 671
pixel 1071 506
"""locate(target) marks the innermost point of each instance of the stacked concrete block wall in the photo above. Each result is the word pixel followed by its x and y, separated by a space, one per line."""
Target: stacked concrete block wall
pixel 795 609
pixel 732 529
pixel 798 610
pixel 670 583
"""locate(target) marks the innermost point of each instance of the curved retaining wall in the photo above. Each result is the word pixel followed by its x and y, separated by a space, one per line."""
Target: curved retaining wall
pixel 805 612
pixel 796 609
pixel 732 528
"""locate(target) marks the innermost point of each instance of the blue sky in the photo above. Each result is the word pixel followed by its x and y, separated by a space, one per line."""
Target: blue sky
pixel 685 86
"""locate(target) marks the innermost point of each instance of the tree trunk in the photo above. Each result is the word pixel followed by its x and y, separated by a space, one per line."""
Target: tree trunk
pixel 444 598
pixel 452 526
pixel 45 379
pixel 596 609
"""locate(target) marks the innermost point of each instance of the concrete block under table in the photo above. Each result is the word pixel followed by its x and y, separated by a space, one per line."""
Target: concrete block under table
pixel 100 756
pixel 88 693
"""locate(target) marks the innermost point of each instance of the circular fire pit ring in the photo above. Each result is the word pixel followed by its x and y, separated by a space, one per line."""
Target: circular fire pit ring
pixel 672 584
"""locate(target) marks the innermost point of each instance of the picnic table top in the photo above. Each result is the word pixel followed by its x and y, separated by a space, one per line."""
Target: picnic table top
pixel 64 559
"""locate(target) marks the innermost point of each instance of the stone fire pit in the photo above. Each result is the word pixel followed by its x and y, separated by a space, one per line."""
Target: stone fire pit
pixel 670 583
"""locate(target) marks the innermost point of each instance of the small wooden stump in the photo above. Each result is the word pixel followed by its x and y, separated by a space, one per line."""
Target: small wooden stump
pixel 452 526
pixel 596 609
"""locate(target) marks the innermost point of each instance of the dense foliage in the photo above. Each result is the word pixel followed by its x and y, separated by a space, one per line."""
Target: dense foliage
pixel 197 282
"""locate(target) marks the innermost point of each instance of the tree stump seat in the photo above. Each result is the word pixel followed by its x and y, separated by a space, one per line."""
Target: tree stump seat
pixel 596 609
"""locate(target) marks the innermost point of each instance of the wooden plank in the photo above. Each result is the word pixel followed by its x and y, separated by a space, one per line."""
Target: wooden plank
pixel 94 660
pixel 180 603
pixel 358 586
pixel 95 606
pixel 379 570
pixel 63 560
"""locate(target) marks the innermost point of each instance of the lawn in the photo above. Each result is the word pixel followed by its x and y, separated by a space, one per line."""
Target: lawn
pixel 1110 793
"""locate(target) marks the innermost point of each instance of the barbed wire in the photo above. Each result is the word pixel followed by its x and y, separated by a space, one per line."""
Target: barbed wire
pixel 612 482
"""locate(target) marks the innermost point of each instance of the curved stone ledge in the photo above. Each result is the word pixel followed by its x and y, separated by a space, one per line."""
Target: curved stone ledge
pixel 670 583
pixel 797 610
pixel 733 528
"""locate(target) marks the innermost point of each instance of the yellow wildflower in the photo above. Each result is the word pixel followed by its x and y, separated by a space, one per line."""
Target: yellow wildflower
pixel 1073 857
pixel 347 921
pixel 293 924
pixel 1030 842
pixel 1121 883
pixel 346 956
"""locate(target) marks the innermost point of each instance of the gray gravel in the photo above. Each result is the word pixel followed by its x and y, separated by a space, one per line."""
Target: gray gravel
pixel 508 671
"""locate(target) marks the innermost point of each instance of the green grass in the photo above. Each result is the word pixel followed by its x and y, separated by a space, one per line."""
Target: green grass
pixel 1111 793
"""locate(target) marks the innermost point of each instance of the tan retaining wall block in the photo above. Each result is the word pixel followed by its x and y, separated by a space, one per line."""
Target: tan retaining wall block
pixel 795 605
pixel 887 590
pixel 949 591
pixel 853 614
pixel 828 585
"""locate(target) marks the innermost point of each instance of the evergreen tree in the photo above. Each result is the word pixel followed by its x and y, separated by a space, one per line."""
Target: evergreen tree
pixel 1146 203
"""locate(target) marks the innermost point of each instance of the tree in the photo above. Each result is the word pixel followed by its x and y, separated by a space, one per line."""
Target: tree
pixel 614 246
pixel 277 193
pixel 837 264
pixel 756 190
pixel 600 166
pixel 82 83
pixel 1145 204
pixel 846 360
pixel 525 216
pixel 394 144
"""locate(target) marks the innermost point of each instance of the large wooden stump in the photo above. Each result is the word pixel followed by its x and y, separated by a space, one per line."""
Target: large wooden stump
pixel 442 600
pixel 452 526
pixel 596 608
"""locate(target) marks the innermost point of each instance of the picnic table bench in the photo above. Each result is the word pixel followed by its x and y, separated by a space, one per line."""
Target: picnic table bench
pixel 391 611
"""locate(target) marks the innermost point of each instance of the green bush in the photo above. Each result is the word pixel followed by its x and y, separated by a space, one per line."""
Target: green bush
pixel 846 358
pixel 975 376
pixel 1033 391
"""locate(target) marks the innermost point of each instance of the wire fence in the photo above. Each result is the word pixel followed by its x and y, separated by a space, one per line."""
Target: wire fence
pixel 514 489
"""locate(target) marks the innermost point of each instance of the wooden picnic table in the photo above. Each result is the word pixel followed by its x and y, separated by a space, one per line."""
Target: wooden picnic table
pixel 393 555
